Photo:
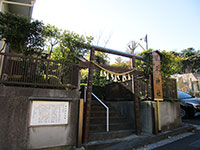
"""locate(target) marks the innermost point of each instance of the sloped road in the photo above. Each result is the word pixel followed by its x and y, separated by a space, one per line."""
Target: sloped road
pixel 191 142
pixel 187 141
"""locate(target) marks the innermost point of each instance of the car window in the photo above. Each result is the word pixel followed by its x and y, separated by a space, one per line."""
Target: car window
pixel 183 95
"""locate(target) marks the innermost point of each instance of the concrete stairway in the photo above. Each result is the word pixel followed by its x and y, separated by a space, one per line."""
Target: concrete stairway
pixel 119 126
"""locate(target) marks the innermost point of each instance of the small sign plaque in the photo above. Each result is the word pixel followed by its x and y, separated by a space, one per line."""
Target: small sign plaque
pixel 49 113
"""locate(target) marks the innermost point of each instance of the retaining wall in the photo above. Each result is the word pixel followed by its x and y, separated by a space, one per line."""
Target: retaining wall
pixel 16 134
pixel 169 116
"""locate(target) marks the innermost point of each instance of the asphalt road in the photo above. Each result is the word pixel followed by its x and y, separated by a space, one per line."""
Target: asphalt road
pixel 195 121
pixel 191 142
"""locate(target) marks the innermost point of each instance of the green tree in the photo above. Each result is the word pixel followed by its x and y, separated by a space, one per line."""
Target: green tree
pixel 52 37
pixel 170 63
pixel 190 60
pixel 147 64
pixel 71 45
pixel 21 34
pixel 102 59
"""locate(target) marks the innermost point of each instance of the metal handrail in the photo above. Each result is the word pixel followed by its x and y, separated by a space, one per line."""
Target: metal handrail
pixel 107 109
pixel 107 112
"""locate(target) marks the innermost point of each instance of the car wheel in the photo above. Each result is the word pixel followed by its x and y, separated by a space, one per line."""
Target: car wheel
pixel 183 113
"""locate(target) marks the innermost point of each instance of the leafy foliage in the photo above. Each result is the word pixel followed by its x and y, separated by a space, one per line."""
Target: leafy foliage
pixel 147 65
pixel 100 58
pixel 20 34
pixel 190 60
pixel 51 35
pixel 170 64
pixel 33 37
pixel 70 46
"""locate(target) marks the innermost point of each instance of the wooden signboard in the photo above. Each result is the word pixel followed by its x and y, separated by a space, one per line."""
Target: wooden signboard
pixel 157 78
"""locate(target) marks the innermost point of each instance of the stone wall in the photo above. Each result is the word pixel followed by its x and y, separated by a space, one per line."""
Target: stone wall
pixel 117 92
pixel 16 134
pixel 126 108
pixel 169 116
pixel 14 122
pixel 147 116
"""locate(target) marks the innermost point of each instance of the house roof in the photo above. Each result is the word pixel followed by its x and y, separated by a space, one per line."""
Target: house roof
pixel 196 75
pixel 187 76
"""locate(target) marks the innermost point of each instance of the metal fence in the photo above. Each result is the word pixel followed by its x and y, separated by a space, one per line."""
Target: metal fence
pixel 36 72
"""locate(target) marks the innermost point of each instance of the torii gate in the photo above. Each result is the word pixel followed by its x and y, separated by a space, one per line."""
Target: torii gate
pixel 89 88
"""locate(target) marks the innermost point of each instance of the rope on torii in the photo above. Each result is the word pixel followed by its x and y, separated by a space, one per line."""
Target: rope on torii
pixel 115 76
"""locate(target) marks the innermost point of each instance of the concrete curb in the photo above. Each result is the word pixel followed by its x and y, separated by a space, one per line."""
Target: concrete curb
pixel 162 136
pixel 142 141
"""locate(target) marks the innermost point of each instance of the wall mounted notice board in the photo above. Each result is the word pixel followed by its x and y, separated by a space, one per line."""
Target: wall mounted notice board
pixel 49 113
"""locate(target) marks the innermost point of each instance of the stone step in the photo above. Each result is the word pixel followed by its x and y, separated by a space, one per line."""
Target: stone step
pixel 97 103
pixel 100 145
pixel 95 120
pixel 111 112
pixel 94 136
pixel 103 114
pixel 119 127
pixel 101 108
pixel 98 108
pixel 112 126
pixel 103 144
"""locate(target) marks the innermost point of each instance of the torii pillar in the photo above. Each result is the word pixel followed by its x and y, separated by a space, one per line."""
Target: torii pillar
pixel 88 97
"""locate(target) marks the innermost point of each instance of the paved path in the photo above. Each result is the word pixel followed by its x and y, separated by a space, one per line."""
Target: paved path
pixel 132 143
pixel 183 138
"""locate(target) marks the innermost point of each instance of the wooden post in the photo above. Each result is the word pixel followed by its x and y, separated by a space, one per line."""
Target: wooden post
pixel 3 47
pixel 158 110
pixel 136 101
pixel 80 123
pixel 133 75
pixel 155 118
pixel 157 84
pixel 89 97
pixel 47 71
pixel 137 109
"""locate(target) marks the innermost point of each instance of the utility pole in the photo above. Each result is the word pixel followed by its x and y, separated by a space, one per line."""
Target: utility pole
pixel 146 40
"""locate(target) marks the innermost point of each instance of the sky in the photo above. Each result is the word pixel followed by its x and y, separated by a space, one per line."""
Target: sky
pixel 169 24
